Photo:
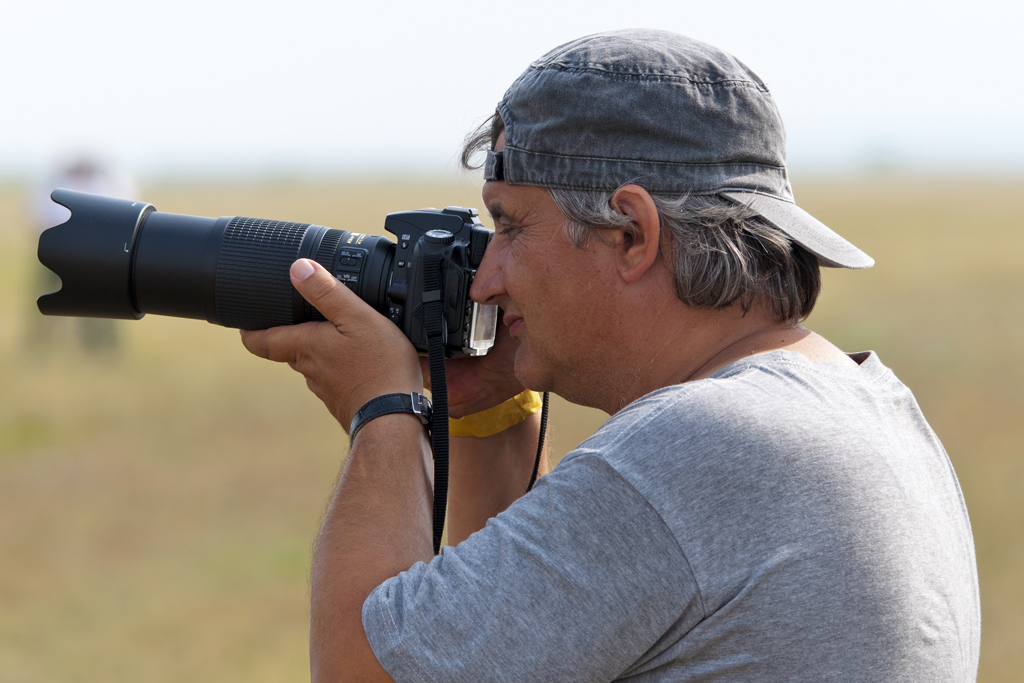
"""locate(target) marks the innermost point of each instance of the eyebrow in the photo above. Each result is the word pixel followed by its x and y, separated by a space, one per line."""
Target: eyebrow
pixel 496 212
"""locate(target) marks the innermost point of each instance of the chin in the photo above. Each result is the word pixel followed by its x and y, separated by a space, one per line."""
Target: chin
pixel 531 373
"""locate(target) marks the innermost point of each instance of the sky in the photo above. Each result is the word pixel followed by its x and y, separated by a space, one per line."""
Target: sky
pixel 310 87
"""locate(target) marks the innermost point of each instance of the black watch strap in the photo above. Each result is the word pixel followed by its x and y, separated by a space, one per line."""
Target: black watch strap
pixel 388 404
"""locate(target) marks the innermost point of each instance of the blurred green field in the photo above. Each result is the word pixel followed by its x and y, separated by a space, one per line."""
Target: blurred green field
pixel 157 506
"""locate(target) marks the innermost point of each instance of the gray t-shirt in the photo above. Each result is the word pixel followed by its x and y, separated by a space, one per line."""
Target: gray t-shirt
pixel 784 520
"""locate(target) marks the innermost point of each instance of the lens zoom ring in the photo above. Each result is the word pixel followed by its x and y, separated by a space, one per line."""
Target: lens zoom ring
pixel 253 290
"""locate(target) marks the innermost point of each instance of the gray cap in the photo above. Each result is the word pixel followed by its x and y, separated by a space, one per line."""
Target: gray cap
pixel 671 114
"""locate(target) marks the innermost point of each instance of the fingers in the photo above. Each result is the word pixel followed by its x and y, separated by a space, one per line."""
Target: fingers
pixel 262 343
pixel 321 289
pixel 279 344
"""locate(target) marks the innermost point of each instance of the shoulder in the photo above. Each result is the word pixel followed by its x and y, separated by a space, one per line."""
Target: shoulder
pixel 775 415
pixel 780 388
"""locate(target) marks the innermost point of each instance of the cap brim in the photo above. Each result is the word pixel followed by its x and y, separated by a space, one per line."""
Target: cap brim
pixel 832 250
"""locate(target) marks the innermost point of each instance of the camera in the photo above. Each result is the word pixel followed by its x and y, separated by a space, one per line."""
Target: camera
pixel 119 258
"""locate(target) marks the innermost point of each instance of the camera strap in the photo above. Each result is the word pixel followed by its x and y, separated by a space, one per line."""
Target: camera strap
pixel 434 326
pixel 540 441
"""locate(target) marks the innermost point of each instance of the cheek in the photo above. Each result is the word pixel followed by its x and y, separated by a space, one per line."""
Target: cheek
pixel 557 287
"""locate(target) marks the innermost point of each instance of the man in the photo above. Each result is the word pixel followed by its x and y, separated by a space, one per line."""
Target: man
pixel 760 506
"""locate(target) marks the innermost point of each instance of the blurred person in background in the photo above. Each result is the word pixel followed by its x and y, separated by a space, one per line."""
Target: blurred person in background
pixel 761 506
pixel 84 174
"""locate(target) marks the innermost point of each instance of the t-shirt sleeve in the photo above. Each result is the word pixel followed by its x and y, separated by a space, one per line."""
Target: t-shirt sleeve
pixel 576 581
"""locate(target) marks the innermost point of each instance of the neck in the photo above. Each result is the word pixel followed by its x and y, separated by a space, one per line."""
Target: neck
pixel 688 344
pixel 770 338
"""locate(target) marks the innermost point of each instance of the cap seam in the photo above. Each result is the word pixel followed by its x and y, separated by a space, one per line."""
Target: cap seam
pixel 650 75
pixel 748 165
pixel 634 181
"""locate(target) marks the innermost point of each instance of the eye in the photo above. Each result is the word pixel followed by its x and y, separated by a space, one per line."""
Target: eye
pixel 506 228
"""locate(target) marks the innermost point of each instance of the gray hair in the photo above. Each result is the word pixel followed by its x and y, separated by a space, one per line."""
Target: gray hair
pixel 721 253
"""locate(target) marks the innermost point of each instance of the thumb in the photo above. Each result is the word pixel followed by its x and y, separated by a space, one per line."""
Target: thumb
pixel 323 290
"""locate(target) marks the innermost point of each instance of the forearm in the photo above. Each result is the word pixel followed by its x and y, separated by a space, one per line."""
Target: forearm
pixel 488 474
pixel 378 524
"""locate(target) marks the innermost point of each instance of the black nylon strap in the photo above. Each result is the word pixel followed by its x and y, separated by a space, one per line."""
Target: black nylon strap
pixel 434 326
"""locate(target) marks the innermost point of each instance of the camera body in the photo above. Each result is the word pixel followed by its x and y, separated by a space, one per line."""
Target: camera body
pixel 122 259
pixel 457 239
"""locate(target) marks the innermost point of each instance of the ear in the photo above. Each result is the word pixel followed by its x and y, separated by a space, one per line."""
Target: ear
pixel 638 249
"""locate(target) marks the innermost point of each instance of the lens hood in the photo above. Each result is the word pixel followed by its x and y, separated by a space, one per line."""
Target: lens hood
pixel 92 254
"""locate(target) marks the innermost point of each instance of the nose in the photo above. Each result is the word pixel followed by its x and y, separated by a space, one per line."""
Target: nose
pixel 489 285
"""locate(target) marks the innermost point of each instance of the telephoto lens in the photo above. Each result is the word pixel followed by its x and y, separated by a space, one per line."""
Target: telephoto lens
pixel 122 259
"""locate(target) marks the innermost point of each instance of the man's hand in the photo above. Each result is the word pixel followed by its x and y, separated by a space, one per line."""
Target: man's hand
pixel 355 357
pixel 476 384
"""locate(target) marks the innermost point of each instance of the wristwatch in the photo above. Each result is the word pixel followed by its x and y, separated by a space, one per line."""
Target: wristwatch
pixel 388 404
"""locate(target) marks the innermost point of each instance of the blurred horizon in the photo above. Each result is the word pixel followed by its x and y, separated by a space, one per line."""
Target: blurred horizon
pixel 228 178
